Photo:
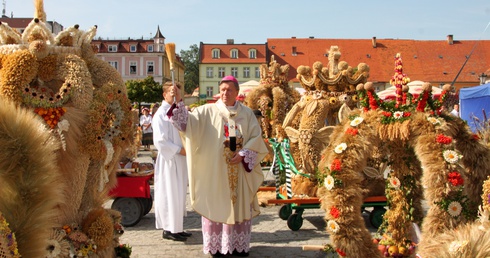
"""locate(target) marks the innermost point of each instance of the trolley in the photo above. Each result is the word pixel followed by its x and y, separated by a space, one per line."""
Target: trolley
pixel 284 162
pixel 132 197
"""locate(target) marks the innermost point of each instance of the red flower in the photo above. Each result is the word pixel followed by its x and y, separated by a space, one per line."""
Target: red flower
pixel 334 212
pixel 372 101
pixel 441 138
pixel 352 131
pixel 386 113
pixel 336 165
pixel 476 137
pixel 406 114
pixel 455 178
pixel 340 252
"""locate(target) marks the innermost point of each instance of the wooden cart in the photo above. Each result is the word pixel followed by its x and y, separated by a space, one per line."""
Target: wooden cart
pixel 132 197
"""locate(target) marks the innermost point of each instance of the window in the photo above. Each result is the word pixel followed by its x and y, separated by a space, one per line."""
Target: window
pixel 221 72
pixel 252 54
pixel 149 67
pixel 112 48
pixel 209 72
pixel 246 72
pixel 209 92
pixel 234 72
pixel 215 53
pixel 150 48
pixel 160 49
pixel 132 48
pixel 234 53
pixel 294 53
pixel 113 64
pixel 132 67
pixel 257 72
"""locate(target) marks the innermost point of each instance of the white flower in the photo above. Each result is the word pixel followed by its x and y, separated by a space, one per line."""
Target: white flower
pixel 356 121
pixel 458 246
pixel 64 125
pixel 451 156
pixel 398 114
pixel 333 226
pixel 433 120
pixel 395 182
pixel 329 182
pixel 454 209
pixel 340 148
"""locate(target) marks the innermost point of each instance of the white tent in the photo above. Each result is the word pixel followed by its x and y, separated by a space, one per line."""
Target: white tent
pixel 246 87
pixel 415 88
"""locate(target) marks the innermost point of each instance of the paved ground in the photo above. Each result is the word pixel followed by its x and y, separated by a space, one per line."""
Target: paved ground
pixel 271 236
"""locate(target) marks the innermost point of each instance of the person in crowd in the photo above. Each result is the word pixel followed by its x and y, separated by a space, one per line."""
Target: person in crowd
pixel 170 179
pixel 224 148
pixel 455 111
pixel 145 123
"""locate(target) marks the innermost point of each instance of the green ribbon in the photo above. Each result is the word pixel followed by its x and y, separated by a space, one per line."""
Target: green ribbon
pixel 282 150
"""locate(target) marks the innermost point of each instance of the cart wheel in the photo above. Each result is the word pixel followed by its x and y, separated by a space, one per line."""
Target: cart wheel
pixel 147 204
pixel 131 210
pixel 376 216
pixel 295 221
pixel 285 211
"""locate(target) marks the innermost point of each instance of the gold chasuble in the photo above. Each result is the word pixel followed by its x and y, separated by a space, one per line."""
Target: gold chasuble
pixel 220 191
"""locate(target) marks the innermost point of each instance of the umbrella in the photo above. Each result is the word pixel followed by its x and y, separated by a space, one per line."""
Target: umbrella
pixel 415 88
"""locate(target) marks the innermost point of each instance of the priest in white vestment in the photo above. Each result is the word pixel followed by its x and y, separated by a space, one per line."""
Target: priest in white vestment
pixel 170 179
pixel 224 147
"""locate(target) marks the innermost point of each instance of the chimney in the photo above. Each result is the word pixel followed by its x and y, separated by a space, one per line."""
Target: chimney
pixel 230 41
pixel 450 39
pixel 373 41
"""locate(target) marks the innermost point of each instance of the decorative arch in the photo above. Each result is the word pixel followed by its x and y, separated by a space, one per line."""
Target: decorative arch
pixel 425 148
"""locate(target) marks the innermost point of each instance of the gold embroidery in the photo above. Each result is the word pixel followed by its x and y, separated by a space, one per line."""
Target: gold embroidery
pixel 232 174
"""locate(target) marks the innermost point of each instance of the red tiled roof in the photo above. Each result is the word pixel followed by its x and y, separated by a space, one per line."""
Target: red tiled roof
pixel 431 61
pixel 207 58
pixel 16 22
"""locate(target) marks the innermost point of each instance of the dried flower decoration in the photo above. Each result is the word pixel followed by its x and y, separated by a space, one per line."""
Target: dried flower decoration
pixel 454 209
pixel 442 139
pixel 333 226
pixel 340 148
pixel 358 120
pixel 451 156
pixel 329 182
pixel 352 131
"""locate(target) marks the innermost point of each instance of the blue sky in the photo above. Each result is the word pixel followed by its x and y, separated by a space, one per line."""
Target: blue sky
pixel 187 22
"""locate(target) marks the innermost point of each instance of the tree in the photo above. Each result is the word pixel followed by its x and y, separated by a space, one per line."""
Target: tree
pixel 190 58
pixel 147 90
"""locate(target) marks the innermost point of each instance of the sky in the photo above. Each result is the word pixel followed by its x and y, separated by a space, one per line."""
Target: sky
pixel 188 22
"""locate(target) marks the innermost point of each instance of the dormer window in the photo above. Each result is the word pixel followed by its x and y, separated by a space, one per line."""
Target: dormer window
pixel 150 48
pixel 252 53
pixel 132 48
pixel 294 53
pixel 234 53
pixel 215 53
pixel 112 48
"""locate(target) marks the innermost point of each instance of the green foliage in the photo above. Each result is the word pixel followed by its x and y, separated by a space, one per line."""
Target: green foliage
pixel 190 58
pixel 147 90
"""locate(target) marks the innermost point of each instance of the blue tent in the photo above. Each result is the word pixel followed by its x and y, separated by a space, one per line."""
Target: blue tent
pixel 473 102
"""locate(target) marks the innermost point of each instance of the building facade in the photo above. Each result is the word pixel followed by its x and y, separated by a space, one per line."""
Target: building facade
pixel 218 60
pixel 436 61
pixel 136 59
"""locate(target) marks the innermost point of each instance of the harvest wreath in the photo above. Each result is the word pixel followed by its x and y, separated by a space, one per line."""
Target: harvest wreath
pixel 419 136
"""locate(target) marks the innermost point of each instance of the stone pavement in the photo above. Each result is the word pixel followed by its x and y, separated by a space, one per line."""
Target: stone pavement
pixel 271 236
